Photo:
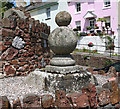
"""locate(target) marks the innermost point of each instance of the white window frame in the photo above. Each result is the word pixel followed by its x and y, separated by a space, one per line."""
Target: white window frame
pixel 78 24
pixel 48 12
pixel 107 3
pixel 78 7
pixel 108 20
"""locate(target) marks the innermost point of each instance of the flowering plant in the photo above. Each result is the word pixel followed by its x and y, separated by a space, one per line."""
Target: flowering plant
pixel 111 46
pixel 90 44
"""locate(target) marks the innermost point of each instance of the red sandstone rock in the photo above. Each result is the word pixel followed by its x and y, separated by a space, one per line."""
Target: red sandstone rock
pixel 13 62
pixel 31 101
pixel 60 94
pixel 47 101
pixel 101 72
pixel 9 70
pixel 9 54
pixel 115 93
pixel 2 48
pixel 112 72
pixel 90 91
pixel 82 101
pixel 63 103
pixel 28 43
pixel 90 70
pixel 104 97
pixel 22 59
pixel 22 63
pixel 17 104
pixel 73 98
pixel 8 32
pixel 4 103
pixel 8 43
pixel 117 106
pixel 26 35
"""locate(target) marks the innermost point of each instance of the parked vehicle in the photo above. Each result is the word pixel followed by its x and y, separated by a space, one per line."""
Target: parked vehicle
pixel 116 65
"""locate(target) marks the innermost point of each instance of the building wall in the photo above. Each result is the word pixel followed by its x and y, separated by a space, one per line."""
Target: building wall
pixel 41 14
pixel 97 41
pixel 98 9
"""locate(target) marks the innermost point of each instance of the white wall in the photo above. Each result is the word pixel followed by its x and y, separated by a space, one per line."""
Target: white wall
pixel 118 39
pixel 96 40
pixel 41 14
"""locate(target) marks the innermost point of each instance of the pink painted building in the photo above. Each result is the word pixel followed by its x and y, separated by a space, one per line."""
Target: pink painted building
pixel 85 14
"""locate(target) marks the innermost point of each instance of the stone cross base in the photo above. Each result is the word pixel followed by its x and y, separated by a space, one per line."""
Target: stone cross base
pixel 51 82
pixel 63 69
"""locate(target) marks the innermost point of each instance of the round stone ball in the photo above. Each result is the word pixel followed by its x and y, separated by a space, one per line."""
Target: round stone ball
pixel 63 18
pixel 62 40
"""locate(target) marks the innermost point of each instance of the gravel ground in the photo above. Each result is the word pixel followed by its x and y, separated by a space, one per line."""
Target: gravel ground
pixel 14 87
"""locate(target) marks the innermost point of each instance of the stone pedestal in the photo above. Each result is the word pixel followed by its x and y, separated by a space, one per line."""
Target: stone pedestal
pixel 53 81
pixel 62 73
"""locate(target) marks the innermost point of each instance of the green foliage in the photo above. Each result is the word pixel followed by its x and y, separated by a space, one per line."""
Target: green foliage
pixel 101 20
pixel 108 62
pixel 88 28
pixel 4 6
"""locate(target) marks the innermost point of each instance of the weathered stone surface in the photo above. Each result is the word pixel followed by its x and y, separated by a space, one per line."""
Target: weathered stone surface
pixel 17 104
pixel 115 96
pixel 112 72
pixel 4 103
pixel 63 18
pixel 90 70
pixel 73 98
pixel 64 69
pixel 117 106
pixel 82 101
pixel 60 94
pixel 63 103
pixel 62 61
pixel 62 41
pixel 47 101
pixel 2 48
pixel 31 101
pixel 13 62
pixel 104 97
pixel 6 22
pixel 52 81
pixel 90 91
pixel 9 54
pixel 9 70
pixel 18 42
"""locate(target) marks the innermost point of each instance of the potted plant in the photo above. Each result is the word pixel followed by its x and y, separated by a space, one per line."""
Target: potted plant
pixel 88 28
pixel 96 27
pixel 90 44
pixel 111 46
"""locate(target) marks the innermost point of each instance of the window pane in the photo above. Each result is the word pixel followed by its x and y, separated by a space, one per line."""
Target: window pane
pixel 48 12
pixel 78 25
pixel 78 7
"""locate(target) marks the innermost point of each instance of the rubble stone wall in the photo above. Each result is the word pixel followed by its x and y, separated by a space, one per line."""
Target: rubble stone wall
pixel 23 43
pixel 90 97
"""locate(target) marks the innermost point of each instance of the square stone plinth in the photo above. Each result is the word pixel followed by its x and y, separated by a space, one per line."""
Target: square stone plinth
pixel 52 81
